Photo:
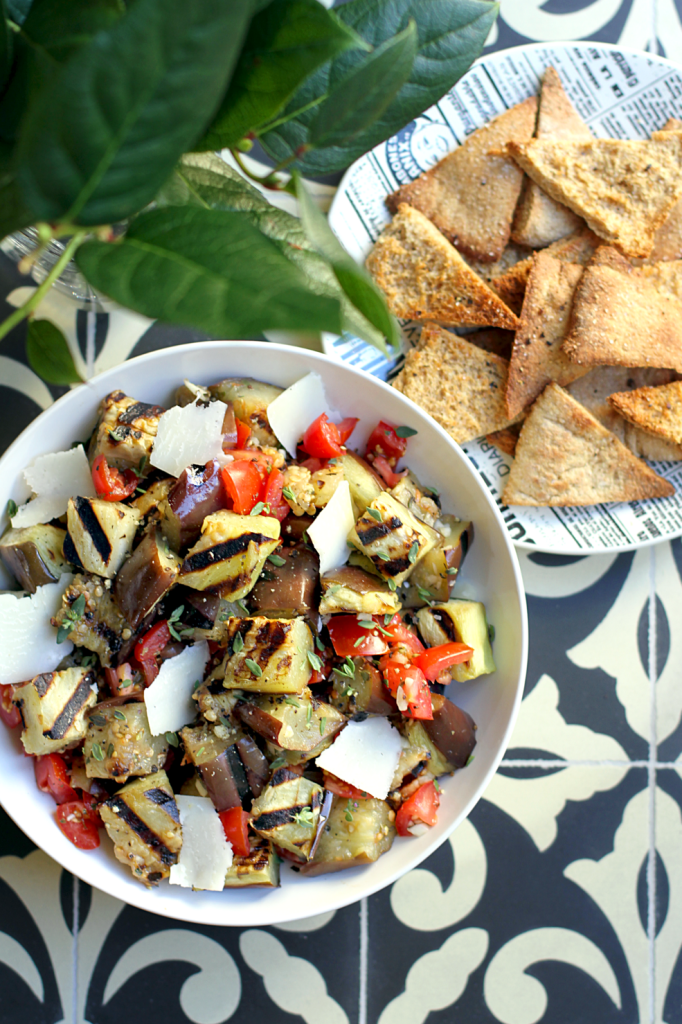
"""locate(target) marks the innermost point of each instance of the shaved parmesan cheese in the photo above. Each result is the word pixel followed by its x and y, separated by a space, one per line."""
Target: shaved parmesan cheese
pixel 366 754
pixel 292 412
pixel 55 478
pixel 190 435
pixel 169 698
pixel 27 640
pixel 205 854
pixel 329 532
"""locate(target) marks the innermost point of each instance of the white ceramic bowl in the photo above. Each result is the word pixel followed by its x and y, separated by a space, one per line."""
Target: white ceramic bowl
pixel 490 573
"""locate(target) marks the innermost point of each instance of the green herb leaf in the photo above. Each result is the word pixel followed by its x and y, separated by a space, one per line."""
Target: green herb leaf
pixel 413 552
pixel 323 725
pixel 172 738
pixel 97 752
pixel 257 508
pixel 110 750
pixel 129 116
pixel 237 643
pixel 491 632
pixel 292 700
pixel 315 660
pixel 391 585
pixel 279 762
pixel 48 353
pixel 383 556
pixel 277 560
pixel 318 643
pixel 436 785
pixel 425 595
pixel 120 715
pixel 406 431
pixel 309 713
pixel 451 36
pixel 286 42
pixel 255 668
pixel 305 815
pixel 240 604
pixel 470 758
pixel 375 514
pixel 452 571
pixel 349 812
pixel 11 508
pixel 289 494
pixel 64 631
pixel 98 720
pixel 206 268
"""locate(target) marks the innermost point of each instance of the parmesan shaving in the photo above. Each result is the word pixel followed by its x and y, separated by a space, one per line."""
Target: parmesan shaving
pixel 205 854
pixel 329 532
pixel 366 754
pixel 27 640
pixel 189 435
pixel 54 478
pixel 292 412
pixel 169 698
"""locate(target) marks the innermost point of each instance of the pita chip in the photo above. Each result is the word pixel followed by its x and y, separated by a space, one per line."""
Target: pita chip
pixel 470 195
pixel 621 317
pixel 565 456
pixel 537 356
pixel 459 385
pixel 623 188
pixel 424 277
pixel 538 219
pixel 594 392
pixel 668 238
pixel 505 440
pixel 656 410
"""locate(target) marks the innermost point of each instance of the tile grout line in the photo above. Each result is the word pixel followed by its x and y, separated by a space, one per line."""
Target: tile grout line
pixel 75 910
pixel 364 935
pixel 540 762
pixel 651 772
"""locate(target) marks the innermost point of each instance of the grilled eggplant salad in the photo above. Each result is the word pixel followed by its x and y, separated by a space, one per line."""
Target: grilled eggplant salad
pixel 255 626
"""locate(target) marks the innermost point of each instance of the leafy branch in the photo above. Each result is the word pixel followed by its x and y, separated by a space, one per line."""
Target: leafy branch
pixel 109 111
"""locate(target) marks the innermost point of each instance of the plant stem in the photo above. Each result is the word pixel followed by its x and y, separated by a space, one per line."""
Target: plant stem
pixel 43 288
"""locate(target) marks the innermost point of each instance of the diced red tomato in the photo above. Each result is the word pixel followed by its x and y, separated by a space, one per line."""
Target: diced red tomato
pixel 322 438
pixel 272 496
pixel 421 806
pixel 9 712
pixel 381 464
pixel 121 680
pixel 79 823
pixel 313 464
pixel 403 637
pixel 243 433
pixel 384 441
pixel 243 484
pixel 112 484
pixel 343 789
pixel 52 777
pixel 417 694
pixel 346 427
pixel 149 647
pixel 435 660
pixel 236 827
pixel 349 638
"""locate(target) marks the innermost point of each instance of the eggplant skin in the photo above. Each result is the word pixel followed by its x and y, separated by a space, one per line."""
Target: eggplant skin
pixel 145 577
pixel 250 399
pixel 34 555
pixel 357 833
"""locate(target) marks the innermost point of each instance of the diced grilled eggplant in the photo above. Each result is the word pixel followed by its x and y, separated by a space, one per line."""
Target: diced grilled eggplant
pixel 364 483
pixel 194 495
pixel 284 591
pixel 255 764
pixel 53 709
pixel 413 761
pixel 293 723
pixel 143 822
pixel 250 399
pixel 357 833
pixel 145 577
pixel 410 493
pixel 230 554
pixel 450 737
pixel 215 703
pixel 294 529
pixel 259 867
pixel 351 589
pixel 154 497
pixel 102 533
pixel 287 812
pixel 437 571
pixel 393 538
pixel 270 656
pixel 219 765
pixel 101 628
pixel 34 555
pixel 361 692
pixel 125 431
pixel 460 621
pixel 324 483
pixel 119 743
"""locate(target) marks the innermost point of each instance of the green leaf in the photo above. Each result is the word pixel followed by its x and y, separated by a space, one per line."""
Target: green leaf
pixel 360 98
pixel 451 36
pixel 356 283
pixel 58 28
pixel 204 179
pixel 6 46
pixel 286 42
pixel 207 268
pixel 48 353
pixel 17 10
pixel 103 137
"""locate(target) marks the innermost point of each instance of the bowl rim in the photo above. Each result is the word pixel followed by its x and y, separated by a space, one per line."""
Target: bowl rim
pixel 244 913
pixel 328 338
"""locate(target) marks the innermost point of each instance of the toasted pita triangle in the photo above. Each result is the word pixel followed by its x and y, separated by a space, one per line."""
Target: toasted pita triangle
pixel 470 195
pixel 622 316
pixel 594 392
pixel 657 410
pixel 623 188
pixel 537 356
pixel 564 456
pixel 538 219
pixel 511 285
pixel 425 278
pixel 460 385
pixel 668 238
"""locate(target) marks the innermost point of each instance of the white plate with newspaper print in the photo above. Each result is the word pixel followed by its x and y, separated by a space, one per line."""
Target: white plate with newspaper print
pixel 619 93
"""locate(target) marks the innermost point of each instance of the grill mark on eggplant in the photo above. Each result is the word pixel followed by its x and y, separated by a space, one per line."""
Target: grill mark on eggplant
pixel 164 800
pixel 238 773
pixel 446 624
pixel 140 410
pixel 70 553
pixel 276 819
pixel 127 815
pixel 222 552
pixel 111 638
pixel 283 775
pixel 93 527
pixel 393 567
pixel 42 683
pixel 269 638
pixel 375 531
pixel 65 718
